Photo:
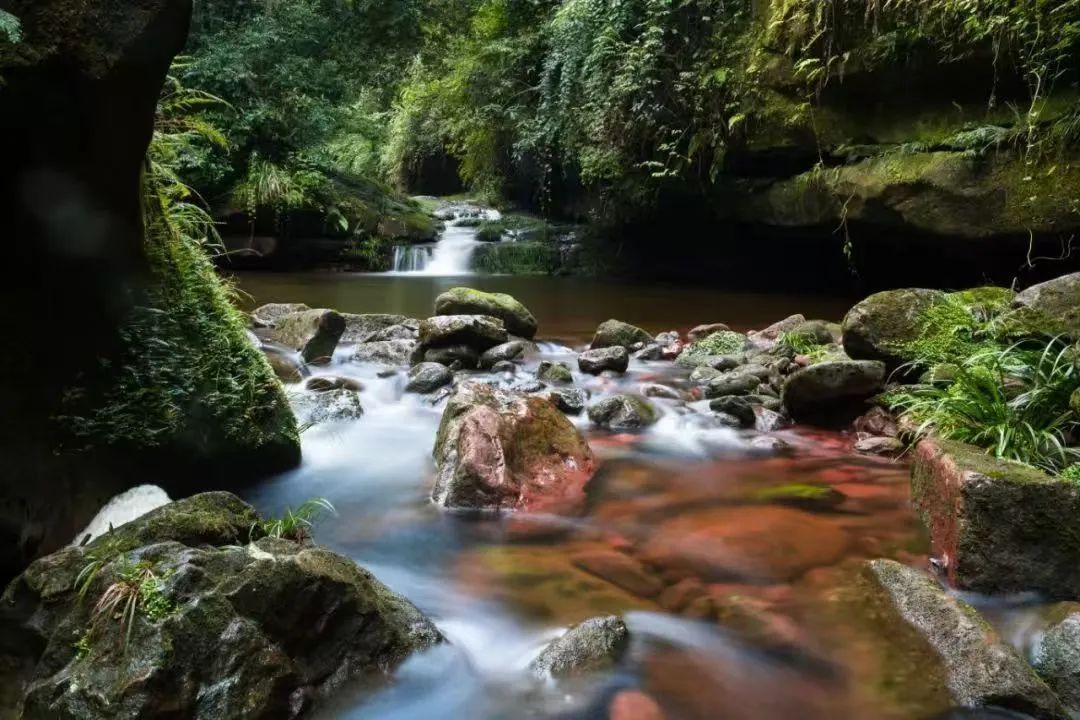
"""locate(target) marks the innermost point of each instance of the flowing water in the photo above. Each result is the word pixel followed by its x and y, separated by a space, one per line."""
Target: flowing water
pixel 452 253
pixel 729 589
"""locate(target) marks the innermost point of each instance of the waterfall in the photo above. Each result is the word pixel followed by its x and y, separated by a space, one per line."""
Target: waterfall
pixel 452 253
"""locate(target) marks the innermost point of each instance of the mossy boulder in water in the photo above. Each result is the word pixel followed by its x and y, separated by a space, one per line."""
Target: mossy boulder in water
pixel 727 343
pixel 428 377
pixel 496 449
pixel 220 629
pixel 479 332
pixel 594 362
pixel 615 333
pixel 882 325
pixel 312 333
pixel 511 351
pixel 329 406
pixel 466 301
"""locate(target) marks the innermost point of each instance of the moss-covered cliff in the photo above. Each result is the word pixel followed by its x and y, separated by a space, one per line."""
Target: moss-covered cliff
pixel 124 362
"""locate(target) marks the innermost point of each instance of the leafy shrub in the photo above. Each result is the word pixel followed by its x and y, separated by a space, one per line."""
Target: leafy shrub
pixel 1012 401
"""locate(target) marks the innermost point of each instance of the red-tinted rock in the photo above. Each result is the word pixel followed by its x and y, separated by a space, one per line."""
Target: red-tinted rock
pixel 634 705
pixel 499 450
pixel 620 570
pixel 764 543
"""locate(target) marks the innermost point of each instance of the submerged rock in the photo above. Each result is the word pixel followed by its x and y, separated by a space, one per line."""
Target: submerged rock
pixel 879 327
pixel 287 367
pixel 466 301
pixel 738 407
pixel 220 630
pixel 622 412
pixel 512 350
pixel 613 358
pixel 823 388
pixel 979 668
pixel 615 333
pixel 495 449
pixel 326 383
pixel 428 377
pixel 596 644
pixel 313 333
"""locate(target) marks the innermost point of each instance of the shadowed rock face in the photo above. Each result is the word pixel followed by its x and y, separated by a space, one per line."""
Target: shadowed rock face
pixel 77 105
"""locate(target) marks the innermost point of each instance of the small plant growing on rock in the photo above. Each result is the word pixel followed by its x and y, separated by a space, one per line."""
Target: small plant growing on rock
pixel 295 524
pixel 137 588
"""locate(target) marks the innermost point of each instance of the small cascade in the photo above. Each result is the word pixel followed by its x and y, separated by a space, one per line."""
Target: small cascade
pixel 452 253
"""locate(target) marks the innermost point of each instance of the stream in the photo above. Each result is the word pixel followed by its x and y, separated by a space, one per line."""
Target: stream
pixel 685 491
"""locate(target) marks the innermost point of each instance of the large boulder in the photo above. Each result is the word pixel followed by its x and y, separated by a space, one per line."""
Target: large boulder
pixel 622 412
pixel 821 389
pixel 977 666
pixel 479 332
pixel 312 333
pixel 1051 308
pixel 882 325
pixel 495 449
pixel 218 629
pixel 596 644
pixel 365 328
pixel 385 352
pixel 466 301
pixel 997 526
pixel 615 333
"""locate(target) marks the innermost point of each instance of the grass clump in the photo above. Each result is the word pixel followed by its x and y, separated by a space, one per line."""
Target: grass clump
pixel 963 325
pixel 137 590
pixel 295 524
pixel 1012 401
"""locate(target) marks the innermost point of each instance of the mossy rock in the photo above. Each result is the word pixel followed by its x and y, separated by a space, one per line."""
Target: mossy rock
pixel 883 325
pixel 615 333
pixel 1049 309
pixel 467 301
pixel 724 342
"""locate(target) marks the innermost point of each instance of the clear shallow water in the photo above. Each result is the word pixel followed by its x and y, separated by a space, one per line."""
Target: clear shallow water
pixel 682 498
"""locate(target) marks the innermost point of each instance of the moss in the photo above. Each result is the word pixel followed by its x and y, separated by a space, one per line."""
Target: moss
pixel 725 342
pixel 517 258
pixel 188 378
pixel 969 457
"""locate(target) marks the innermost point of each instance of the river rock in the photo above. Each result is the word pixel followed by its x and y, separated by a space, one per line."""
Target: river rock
pixel 725 342
pixel 596 644
pixel 702 374
pixel 978 667
pixel 364 328
pixel 768 420
pixel 762 543
pixel 823 388
pixel 877 421
pixel 287 367
pixel 267 315
pixel 882 446
pixel 1051 308
pixel 615 333
pixel 622 412
pixel 479 332
pixel 512 350
pixel 661 392
pixel 738 407
pixel 767 337
pixel 427 377
pixel 326 383
pixel 613 358
pixel 735 382
pixel 385 352
pixel 465 301
pixel 1057 660
pixel 225 629
pixel 455 357
pixel 570 400
pixel 991 521
pixel 880 326
pixel 554 372
pixel 313 333
pixel 323 407
pixel 495 449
